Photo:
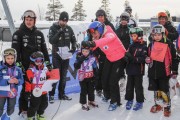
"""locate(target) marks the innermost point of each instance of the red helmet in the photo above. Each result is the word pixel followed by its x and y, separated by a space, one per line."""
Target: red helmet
pixel 162 14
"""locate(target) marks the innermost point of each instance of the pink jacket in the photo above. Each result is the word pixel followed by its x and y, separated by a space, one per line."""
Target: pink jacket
pixel 111 45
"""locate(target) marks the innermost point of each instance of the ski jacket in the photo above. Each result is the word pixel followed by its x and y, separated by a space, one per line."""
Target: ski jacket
pixel 110 44
pixel 27 41
pixel 158 69
pixel 123 34
pixel 5 74
pixel 172 32
pixel 137 65
pixel 33 80
pixel 60 37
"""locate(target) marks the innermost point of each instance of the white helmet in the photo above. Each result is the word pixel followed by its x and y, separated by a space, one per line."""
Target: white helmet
pixel 9 51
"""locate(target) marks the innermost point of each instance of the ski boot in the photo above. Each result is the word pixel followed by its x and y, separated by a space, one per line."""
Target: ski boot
pixel 40 117
pixel 104 99
pixel 31 118
pixel 138 106
pixel 51 99
pixel 129 104
pixel 99 93
pixel 156 108
pixel 93 104
pixel 5 117
pixel 112 107
pixel 167 111
pixel 85 107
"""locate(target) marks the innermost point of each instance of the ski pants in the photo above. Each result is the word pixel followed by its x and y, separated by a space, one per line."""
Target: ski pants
pixel 134 82
pixel 87 88
pixel 37 105
pixel 98 82
pixel 112 72
pixel 63 68
pixel 11 102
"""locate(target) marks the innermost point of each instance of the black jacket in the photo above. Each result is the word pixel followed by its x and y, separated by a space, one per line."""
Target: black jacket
pixel 27 41
pixel 123 34
pixel 107 22
pixel 172 32
pixel 137 65
pixel 60 37
pixel 157 69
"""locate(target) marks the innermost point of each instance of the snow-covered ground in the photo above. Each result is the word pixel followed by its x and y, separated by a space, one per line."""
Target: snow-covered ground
pixel 71 110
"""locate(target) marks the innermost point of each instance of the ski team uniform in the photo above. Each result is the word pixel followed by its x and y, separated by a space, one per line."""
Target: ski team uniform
pixel 37 104
pixel 5 74
pixel 89 68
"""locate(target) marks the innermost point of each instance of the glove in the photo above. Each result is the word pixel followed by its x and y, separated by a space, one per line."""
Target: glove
pixel 27 96
pixel 174 75
pixel 61 31
pixel 128 57
pixel 49 65
pixel 148 60
pixel 81 58
pixel 88 44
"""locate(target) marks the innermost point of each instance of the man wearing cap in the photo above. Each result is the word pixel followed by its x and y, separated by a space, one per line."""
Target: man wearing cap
pixel 61 35
pixel 26 40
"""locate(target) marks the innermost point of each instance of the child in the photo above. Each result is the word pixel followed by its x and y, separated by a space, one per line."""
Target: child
pixel 87 66
pixel 162 65
pixel 37 75
pixel 135 58
pixel 10 75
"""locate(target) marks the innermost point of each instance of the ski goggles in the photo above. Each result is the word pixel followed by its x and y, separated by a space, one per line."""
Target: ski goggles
pixel 29 14
pixel 9 52
pixel 157 30
pixel 39 60
pixel 92 30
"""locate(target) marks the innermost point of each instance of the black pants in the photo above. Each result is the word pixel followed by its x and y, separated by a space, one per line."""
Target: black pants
pixel 37 105
pixel 63 67
pixel 112 72
pixel 11 102
pixel 134 82
pixel 98 82
pixel 87 88
pixel 23 103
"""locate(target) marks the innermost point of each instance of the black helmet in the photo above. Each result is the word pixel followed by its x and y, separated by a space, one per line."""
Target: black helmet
pixel 64 16
pixel 128 9
pixel 37 55
pixel 29 13
pixel 100 12
pixel 125 16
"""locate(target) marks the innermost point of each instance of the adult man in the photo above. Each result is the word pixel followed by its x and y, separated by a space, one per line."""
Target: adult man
pixel 27 40
pixel 132 22
pixel 61 35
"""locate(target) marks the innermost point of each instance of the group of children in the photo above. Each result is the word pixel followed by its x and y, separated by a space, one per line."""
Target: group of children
pixel 11 77
pixel 160 56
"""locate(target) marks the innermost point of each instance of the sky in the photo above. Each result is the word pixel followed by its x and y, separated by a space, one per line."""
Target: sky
pixel 144 8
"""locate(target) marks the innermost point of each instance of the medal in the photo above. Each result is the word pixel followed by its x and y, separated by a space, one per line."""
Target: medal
pixel 37 92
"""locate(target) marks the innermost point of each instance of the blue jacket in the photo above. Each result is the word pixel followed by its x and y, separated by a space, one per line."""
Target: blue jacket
pixel 4 78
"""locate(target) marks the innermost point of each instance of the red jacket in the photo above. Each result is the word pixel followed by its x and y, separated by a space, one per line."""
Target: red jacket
pixel 111 45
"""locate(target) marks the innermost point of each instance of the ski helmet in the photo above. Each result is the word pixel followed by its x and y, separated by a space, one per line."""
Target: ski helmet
pixel 128 9
pixel 29 13
pixel 100 12
pixel 138 31
pixel 37 56
pixel 125 16
pixel 64 16
pixel 162 14
pixel 158 29
pixel 9 51
pixel 96 25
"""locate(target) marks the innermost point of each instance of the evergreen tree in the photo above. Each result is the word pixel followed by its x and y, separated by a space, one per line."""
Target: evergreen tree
pixel 78 12
pixel 105 7
pixel 126 3
pixel 54 8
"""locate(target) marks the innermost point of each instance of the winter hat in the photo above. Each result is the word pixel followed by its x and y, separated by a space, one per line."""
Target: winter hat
pixel 100 12
pixel 64 16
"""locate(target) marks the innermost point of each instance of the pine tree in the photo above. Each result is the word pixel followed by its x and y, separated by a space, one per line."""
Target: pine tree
pixel 105 7
pixel 126 3
pixel 54 8
pixel 78 12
